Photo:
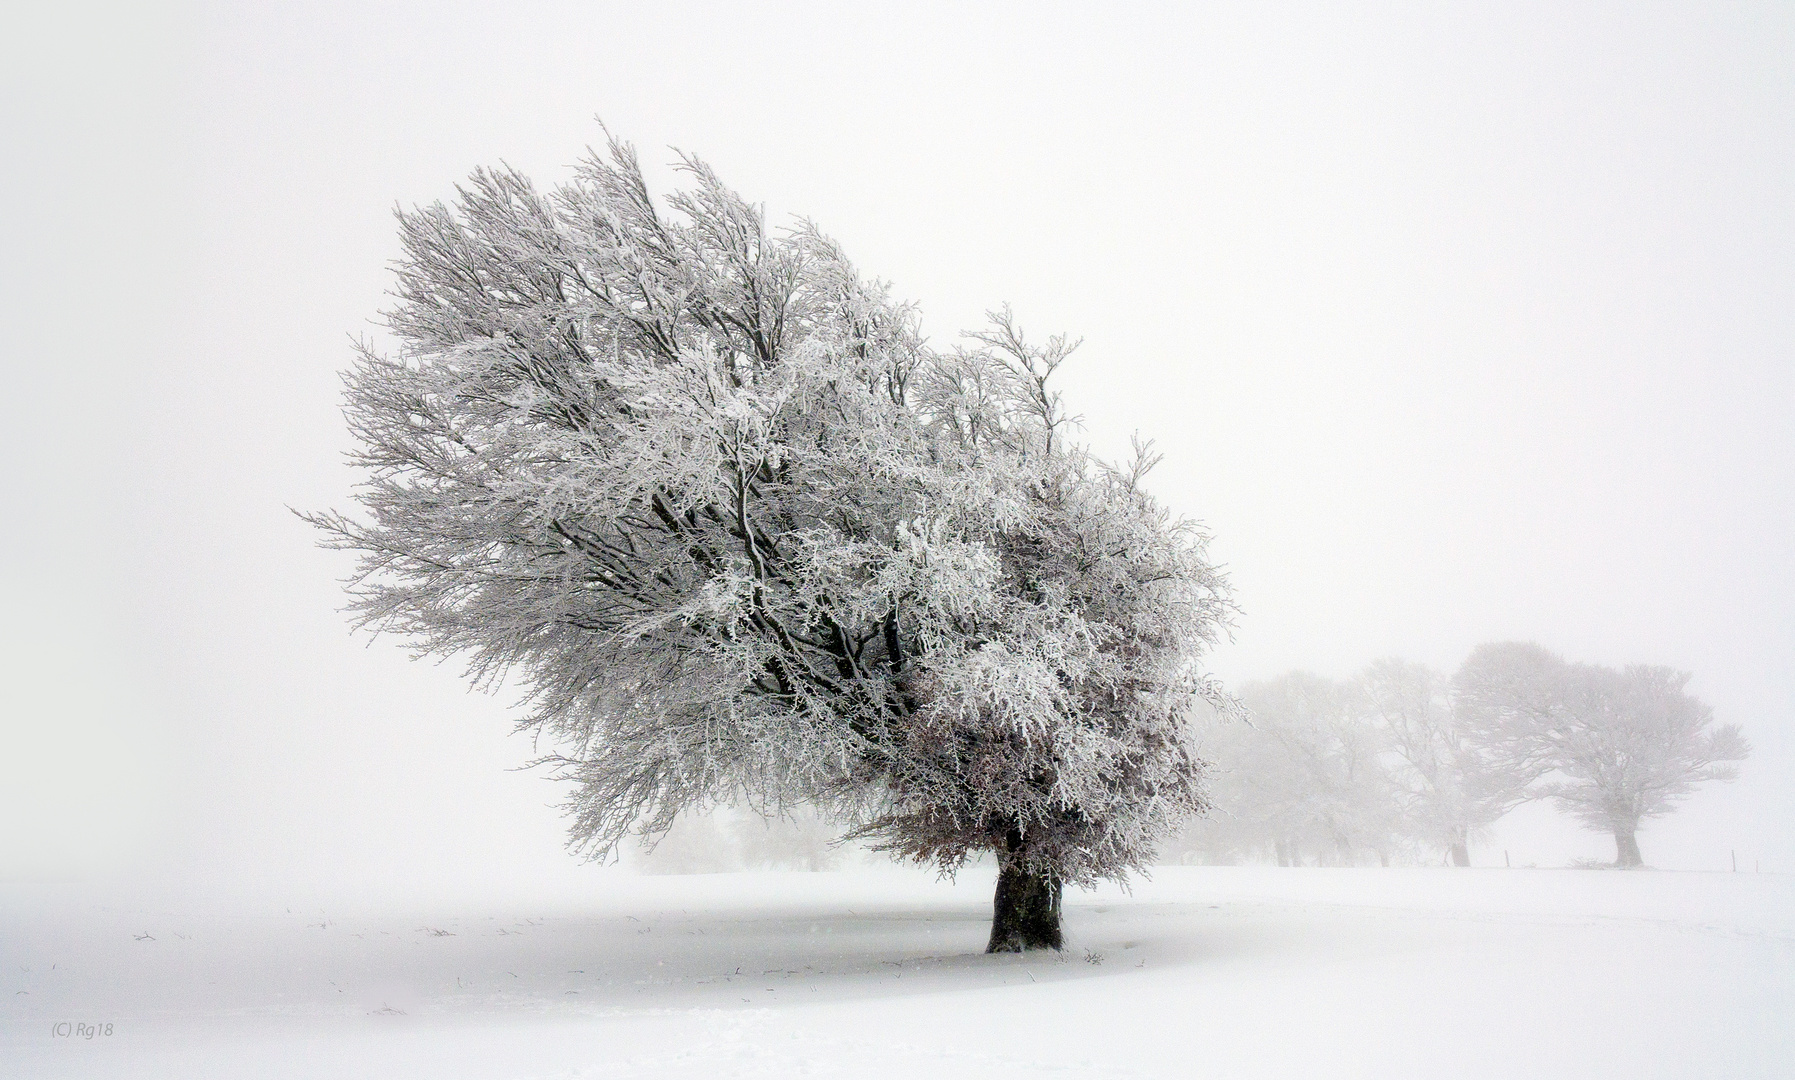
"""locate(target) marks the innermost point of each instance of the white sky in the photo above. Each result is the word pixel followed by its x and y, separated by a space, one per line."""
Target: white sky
pixel 1455 323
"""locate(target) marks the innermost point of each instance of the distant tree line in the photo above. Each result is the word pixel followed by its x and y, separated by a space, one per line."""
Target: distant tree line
pixel 1404 763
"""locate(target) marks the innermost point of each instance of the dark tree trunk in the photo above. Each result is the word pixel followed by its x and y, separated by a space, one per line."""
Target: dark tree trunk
pixel 1458 853
pixel 1025 912
pixel 1626 848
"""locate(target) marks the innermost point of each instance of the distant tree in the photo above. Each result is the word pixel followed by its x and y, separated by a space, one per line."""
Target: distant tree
pixel 732 838
pixel 744 537
pixel 801 840
pixel 1305 780
pixel 1239 825
pixel 1611 747
pixel 1449 789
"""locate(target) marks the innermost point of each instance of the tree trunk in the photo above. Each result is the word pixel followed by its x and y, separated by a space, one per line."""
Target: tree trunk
pixel 1626 848
pixel 1461 849
pixel 1025 912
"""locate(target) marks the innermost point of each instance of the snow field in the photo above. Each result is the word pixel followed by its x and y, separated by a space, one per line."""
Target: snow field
pixel 1210 971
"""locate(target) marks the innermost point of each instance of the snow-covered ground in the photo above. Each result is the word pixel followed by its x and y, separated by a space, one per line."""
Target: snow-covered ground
pixel 1223 972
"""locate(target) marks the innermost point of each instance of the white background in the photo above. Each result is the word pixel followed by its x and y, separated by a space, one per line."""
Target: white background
pixel 1455 323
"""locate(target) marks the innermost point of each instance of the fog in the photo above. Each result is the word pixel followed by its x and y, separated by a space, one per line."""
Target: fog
pixel 1453 326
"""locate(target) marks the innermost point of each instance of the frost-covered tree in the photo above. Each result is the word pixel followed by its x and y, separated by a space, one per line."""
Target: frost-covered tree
pixel 744 537
pixel 1611 747
pixel 1448 788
